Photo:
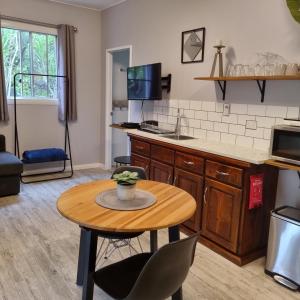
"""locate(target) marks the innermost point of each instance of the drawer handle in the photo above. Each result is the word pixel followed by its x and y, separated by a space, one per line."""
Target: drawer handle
pixel 175 179
pixel 204 197
pixel 222 173
pixel 139 147
pixel 169 179
pixel 189 163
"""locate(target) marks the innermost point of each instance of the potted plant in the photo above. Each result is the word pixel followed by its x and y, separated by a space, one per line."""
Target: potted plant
pixel 126 184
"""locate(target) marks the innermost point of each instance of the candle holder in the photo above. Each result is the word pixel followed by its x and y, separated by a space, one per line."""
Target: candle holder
pixel 220 56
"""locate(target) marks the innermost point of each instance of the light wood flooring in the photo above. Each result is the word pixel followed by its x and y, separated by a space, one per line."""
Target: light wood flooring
pixel 39 250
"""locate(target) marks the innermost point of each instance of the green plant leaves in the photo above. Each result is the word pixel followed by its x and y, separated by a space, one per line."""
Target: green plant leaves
pixel 126 178
pixel 294 6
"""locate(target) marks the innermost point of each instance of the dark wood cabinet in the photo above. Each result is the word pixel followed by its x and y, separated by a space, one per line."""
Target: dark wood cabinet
pixel 140 161
pixel 221 188
pixel 193 184
pixel 161 172
pixel 221 214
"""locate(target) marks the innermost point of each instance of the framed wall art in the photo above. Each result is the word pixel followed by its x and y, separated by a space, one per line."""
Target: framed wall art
pixel 192 46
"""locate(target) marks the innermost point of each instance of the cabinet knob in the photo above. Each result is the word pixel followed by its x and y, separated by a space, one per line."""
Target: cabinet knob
pixel 139 147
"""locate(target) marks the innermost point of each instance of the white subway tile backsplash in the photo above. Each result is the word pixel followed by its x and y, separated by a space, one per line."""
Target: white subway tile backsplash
pixel 205 119
pixel 267 134
pixel 257 110
pixel 261 144
pixel 221 127
pixel 201 115
pixel 208 125
pixel 173 103
pixel 232 119
pixel 237 129
pixel 200 133
pixel 189 113
pixel 240 109
pixel 227 138
pixel 276 111
pixel 213 136
pixel 265 122
pixel 242 119
pixel 292 113
pixel 219 107
pixel 184 104
pixel 258 133
pixel 244 141
pixel 214 116
pixel 194 123
pixel 196 105
pixel 209 106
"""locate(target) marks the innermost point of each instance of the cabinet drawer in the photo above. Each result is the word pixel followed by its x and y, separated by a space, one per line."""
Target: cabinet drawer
pixel 224 173
pixel 140 161
pixel 140 147
pixel 189 162
pixel 162 154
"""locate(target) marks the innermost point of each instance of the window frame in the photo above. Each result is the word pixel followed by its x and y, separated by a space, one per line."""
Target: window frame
pixel 34 29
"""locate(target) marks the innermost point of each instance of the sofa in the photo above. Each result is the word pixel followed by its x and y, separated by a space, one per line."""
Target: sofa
pixel 10 171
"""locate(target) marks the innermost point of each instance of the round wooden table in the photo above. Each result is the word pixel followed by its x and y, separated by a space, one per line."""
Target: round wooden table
pixel 78 204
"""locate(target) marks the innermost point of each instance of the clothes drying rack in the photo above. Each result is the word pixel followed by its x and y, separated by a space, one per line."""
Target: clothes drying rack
pixel 67 145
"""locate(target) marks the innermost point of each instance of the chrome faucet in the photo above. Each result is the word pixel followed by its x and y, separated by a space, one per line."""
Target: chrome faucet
pixel 178 124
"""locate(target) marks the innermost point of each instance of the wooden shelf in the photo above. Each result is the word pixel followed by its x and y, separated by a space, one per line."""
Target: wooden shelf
pixel 283 165
pixel 248 78
pixel 260 80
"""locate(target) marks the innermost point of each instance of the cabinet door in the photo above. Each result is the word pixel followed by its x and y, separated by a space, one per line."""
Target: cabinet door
pixel 221 214
pixel 161 172
pixel 140 161
pixel 193 184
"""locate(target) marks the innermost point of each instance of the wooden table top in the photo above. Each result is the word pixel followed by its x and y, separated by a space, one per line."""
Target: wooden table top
pixel 173 206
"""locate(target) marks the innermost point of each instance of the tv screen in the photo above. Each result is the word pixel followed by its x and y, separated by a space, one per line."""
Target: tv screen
pixel 144 82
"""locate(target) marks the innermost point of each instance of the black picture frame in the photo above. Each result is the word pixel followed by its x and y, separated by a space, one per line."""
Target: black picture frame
pixel 187 37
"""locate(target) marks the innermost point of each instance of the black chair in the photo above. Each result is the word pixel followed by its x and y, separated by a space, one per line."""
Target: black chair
pixel 10 171
pixel 149 276
pixel 122 160
pixel 120 239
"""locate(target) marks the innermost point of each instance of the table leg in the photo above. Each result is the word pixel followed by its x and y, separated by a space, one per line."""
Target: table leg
pixel 174 235
pixel 89 263
pixel 153 241
pixel 81 258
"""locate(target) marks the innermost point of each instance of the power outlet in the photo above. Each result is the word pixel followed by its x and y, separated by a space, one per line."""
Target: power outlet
pixel 226 110
pixel 251 124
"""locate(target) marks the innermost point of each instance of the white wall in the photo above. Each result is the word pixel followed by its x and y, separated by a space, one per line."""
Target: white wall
pixel 154 29
pixel 38 124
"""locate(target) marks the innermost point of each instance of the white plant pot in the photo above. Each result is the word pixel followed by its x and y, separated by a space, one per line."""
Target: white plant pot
pixel 126 192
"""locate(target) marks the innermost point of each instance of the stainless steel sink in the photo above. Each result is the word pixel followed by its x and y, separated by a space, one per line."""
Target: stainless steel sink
pixel 177 137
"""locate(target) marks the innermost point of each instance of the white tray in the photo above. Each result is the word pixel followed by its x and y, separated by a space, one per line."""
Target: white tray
pixel 109 199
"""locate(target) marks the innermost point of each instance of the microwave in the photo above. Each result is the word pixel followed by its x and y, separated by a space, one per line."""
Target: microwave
pixel 285 143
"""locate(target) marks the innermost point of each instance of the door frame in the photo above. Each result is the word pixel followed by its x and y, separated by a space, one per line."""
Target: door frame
pixel 108 99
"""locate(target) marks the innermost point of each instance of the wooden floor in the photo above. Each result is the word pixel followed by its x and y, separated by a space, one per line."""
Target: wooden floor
pixel 39 250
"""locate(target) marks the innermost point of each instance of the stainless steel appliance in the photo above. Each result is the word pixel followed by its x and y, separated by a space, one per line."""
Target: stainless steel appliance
pixel 283 256
pixel 285 143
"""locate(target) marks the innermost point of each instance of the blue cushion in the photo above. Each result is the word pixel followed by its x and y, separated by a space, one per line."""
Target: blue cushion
pixel 44 155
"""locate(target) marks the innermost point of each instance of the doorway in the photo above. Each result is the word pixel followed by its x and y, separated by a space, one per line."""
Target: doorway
pixel 117 108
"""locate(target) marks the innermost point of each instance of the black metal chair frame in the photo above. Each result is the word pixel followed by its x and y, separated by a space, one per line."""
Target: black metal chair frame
pixel 67 144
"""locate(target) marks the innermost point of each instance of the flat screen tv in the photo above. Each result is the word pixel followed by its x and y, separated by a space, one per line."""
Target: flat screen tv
pixel 144 82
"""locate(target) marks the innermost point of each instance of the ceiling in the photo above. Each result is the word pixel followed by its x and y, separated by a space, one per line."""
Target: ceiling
pixel 91 4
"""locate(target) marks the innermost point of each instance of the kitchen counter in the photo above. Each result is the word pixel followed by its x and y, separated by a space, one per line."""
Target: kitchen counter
pixel 250 155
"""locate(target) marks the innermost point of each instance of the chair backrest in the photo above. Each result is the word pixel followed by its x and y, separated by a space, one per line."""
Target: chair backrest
pixel 165 271
pixel 2 143
pixel 139 170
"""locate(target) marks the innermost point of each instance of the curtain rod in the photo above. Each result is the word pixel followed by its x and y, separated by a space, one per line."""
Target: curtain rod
pixel 8 18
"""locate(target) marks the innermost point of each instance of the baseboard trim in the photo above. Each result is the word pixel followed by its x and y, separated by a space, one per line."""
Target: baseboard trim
pixel 68 168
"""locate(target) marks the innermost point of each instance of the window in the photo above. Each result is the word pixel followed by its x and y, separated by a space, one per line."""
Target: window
pixel 29 49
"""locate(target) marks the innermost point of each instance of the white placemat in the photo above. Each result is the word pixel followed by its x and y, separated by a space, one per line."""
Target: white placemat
pixel 109 199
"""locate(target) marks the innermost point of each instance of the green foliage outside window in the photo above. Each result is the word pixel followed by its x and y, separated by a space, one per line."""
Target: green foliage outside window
pixel 30 52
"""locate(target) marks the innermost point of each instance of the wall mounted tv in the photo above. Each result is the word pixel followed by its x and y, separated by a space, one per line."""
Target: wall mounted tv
pixel 144 82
